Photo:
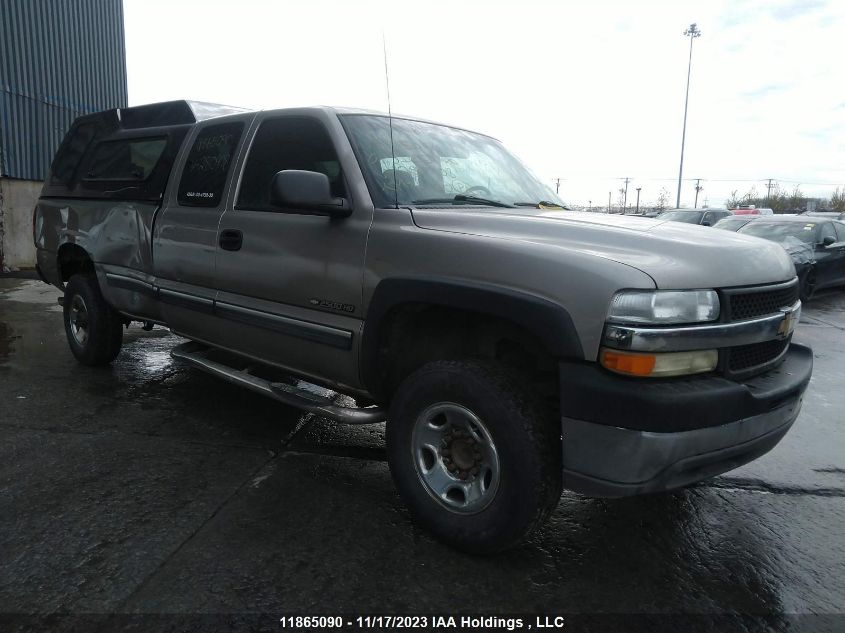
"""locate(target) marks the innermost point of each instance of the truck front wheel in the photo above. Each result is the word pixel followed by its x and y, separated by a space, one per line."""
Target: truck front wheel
pixel 473 454
pixel 94 330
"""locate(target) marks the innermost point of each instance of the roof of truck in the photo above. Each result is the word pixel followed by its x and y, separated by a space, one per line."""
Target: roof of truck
pixel 185 112
pixel 341 110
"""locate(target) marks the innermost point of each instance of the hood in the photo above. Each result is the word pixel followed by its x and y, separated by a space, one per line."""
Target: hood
pixel 674 254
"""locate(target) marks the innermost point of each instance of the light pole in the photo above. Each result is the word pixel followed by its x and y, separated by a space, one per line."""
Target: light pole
pixel 698 188
pixel 625 197
pixel 692 32
pixel 638 200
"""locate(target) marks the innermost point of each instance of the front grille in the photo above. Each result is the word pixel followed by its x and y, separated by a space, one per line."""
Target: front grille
pixel 749 303
pixel 746 357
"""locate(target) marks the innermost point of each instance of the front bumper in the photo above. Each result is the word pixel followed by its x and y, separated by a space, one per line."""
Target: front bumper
pixel 624 436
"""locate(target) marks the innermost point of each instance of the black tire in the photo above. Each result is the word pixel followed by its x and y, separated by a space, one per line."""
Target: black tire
pixel 94 330
pixel 807 285
pixel 527 448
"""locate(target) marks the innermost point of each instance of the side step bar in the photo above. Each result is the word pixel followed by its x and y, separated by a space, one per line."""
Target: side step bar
pixel 296 396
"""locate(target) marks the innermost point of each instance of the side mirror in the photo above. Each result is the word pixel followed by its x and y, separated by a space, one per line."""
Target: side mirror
pixel 827 240
pixel 706 223
pixel 307 190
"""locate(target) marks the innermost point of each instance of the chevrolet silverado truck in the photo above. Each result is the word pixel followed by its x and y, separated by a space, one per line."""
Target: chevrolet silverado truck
pixel 371 268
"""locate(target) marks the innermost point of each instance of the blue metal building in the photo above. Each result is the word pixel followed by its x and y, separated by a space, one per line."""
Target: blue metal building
pixel 58 59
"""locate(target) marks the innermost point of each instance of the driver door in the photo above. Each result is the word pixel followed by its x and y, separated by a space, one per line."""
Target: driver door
pixel 291 283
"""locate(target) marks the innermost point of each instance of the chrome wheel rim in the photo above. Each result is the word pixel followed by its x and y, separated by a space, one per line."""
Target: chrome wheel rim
pixel 455 458
pixel 78 320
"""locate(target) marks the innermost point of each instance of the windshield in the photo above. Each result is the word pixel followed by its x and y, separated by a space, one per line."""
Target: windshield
pixel 786 233
pixel 693 217
pixel 731 224
pixel 438 165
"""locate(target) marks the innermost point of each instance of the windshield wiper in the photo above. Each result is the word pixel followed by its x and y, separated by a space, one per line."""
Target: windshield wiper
pixel 541 203
pixel 462 199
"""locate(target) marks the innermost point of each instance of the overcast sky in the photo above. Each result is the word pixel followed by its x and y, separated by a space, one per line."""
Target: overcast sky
pixel 587 92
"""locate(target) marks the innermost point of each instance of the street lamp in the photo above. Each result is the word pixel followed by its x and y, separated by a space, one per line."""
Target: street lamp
pixel 638 199
pixel 692 32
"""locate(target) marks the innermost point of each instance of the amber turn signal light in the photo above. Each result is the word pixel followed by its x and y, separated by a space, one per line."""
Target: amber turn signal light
pixel 628 363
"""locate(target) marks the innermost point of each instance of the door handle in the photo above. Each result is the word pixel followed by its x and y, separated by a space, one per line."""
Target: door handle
pixel 231 240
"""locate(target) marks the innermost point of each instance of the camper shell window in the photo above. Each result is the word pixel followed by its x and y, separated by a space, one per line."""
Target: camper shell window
pixel 126 159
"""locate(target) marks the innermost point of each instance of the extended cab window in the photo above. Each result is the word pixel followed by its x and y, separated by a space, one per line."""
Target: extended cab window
pixel 126 159
pixel 287 143
pixel 204 175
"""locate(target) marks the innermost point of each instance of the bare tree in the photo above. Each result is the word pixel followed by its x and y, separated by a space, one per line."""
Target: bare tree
pixel 777 199
pixel 733 201
pixel 662 199
pixel 837 200
pixel 796 201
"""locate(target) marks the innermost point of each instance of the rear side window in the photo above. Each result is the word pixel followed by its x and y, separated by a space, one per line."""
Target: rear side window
pixel 287 143
pixel 204 176
pixel 71 152
pixel 840 231
pixel 126 159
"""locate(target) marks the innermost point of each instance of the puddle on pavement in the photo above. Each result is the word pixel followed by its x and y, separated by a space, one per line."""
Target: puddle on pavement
pixel 145 357
pixel 30 292
pixel 7 340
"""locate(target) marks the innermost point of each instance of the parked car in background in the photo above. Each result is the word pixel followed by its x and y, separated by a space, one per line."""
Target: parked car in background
pixel 734 222
pixel 751 210
pixel 704 217
pixel 816 245
pixel 833 215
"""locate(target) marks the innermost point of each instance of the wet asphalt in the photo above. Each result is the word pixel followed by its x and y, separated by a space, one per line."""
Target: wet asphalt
pixel 152 488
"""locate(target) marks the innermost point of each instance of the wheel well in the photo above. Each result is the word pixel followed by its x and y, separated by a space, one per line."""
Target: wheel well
pixel 73 259
pixel 413 334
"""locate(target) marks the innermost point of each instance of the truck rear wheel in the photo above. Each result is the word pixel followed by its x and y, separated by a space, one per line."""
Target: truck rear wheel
pixel 94 330
pixel 473 454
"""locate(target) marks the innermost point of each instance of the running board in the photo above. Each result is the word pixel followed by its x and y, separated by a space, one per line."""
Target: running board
pixel 300 396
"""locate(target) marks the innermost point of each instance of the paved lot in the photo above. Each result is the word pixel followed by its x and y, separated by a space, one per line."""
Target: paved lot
pixel 149 488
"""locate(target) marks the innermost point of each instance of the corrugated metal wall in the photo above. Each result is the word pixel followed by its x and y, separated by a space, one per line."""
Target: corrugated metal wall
pixel 58 59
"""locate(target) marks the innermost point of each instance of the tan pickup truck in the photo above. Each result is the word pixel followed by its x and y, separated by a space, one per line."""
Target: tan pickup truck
pixel 513 347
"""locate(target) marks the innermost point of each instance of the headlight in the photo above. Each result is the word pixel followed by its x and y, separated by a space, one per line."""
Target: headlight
pixel 660 307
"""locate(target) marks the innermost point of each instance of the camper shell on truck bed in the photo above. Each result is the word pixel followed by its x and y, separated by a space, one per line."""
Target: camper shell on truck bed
pixel 125 153
pixel 106 183
pixel 512 347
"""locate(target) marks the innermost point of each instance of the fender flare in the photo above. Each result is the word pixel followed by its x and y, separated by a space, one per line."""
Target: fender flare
pixel 548 321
